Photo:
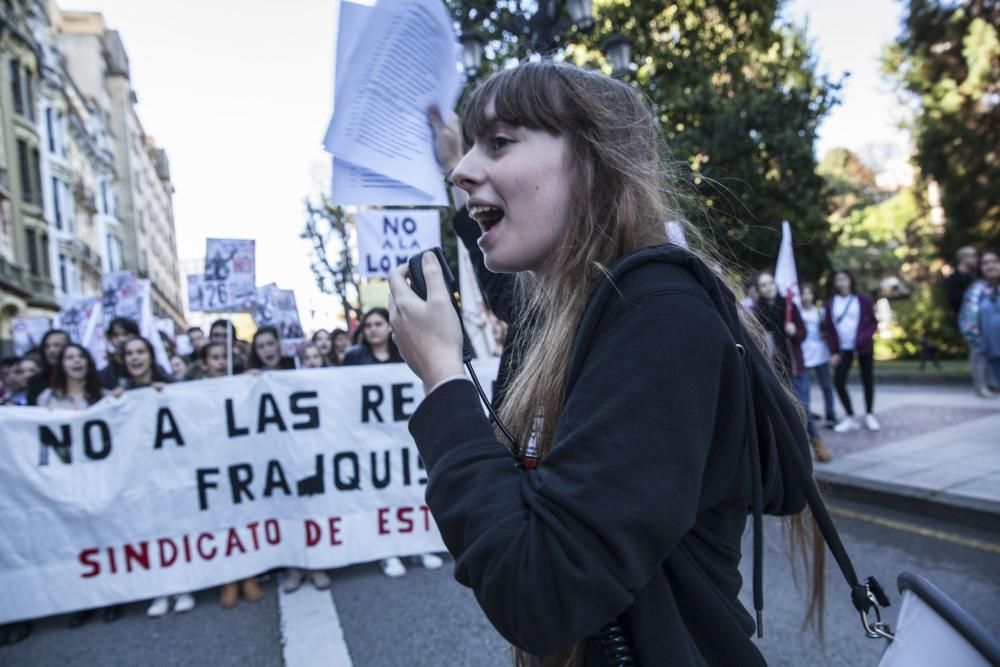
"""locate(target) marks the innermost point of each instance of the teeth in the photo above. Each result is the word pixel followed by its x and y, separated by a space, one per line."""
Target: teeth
pixel 486 215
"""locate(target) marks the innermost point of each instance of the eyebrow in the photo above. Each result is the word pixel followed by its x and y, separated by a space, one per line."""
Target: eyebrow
pixel 491 125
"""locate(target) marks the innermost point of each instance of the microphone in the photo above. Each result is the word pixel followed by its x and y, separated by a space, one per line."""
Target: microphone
pixel 419 285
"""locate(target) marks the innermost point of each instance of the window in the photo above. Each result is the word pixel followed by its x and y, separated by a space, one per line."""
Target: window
pixel 49 112
pixel 114 253
pixel 29 235
pixel 63 280
pixel 36 174
pixel 29 94
pixel 24 169
pixel 45 254
pixel 15 86
pixel 56 208
pixel 104 197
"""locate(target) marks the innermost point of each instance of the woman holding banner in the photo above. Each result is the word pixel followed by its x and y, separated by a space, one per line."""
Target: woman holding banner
pixel 75 383
pixel 619 521
pixel 265 351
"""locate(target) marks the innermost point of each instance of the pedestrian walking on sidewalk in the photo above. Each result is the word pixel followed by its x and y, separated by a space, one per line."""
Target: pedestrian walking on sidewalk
pixel 979 319
pixel 783 323
pixel 815 353
pixel 849 327
pixel 956 286
pixel 614 515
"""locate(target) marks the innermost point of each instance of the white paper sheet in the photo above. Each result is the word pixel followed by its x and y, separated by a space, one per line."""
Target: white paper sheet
pixel 393 61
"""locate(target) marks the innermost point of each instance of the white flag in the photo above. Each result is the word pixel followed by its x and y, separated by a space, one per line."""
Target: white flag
pixel 786 276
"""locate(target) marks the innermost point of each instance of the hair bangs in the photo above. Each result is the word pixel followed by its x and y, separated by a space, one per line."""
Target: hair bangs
pixel 532 95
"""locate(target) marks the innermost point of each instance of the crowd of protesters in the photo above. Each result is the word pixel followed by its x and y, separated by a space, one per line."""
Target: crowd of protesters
pixel 60 374
pixel 808 342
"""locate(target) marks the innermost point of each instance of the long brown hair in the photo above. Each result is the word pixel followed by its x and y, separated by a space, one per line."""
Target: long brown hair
pixel 622 196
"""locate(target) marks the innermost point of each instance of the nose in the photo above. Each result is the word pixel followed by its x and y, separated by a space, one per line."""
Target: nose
pixel 468 173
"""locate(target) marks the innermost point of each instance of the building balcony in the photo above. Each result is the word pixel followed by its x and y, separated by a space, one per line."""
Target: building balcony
pixel 37 290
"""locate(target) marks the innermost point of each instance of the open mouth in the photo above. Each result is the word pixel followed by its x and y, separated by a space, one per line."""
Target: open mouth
pixel 487 216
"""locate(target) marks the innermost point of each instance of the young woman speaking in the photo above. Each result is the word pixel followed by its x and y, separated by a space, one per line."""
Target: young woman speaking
pixel 627 377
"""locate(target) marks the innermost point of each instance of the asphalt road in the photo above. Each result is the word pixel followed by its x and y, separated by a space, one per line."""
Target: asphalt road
pixel 427 619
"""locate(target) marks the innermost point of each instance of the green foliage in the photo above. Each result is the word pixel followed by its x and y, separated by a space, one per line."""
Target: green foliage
pixel 946 64
pixel 737 97
pixel 924 313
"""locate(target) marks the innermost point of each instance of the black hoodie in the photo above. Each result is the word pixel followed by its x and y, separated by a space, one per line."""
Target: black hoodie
pixel 638 508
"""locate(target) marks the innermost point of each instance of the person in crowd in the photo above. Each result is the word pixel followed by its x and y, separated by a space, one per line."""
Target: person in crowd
pixel 340 342
pixel 815 353
pixel 324 341
pixel 213 363
pixel 313 357
pixel 265 351
pixel 849 327
pixel 377 347
pixel 750 294
pixel 8 366
pixel 217 334
pixel 979 317
pixel 179 367
pixel 27 367
pixel 627 392
pixel 51 346
pixel 119 331
pixel 965 273
pixel 786 330
pixel 141 370
pixel 197 338
pixel 75 384
pixel 929 353
pixel 212 360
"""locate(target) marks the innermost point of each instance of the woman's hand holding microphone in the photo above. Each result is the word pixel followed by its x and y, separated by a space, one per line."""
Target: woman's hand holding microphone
pixel 427 333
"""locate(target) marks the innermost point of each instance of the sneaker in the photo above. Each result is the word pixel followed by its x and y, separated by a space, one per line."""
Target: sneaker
pixel 430 561
pixel 320 579
pixel 984 392
pixel 829 421
pixel 871 423
pixel 393 568
pixel 847 424
pixel 159 607
pixel 183 602
pixel 251 589
pixel 293 579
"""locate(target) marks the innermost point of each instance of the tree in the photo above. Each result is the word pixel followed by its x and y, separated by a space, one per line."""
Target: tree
pixel 946 64
pixel 737 97
pixel 327 228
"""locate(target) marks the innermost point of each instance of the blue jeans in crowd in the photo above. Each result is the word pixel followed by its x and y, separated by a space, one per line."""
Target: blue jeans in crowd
pixel 822 373
pixel 801 386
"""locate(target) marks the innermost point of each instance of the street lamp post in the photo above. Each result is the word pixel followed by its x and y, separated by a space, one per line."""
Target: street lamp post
pixel 544 29
pixel 618 50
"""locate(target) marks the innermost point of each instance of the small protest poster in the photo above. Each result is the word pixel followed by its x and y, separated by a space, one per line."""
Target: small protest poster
pixel 276 307
pixel 229 280
pixel 121 296
pixel 27 333
pixel 388 237
pixel 82 318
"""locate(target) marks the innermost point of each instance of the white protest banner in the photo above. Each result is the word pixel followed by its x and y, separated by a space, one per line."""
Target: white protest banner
pixel 387 237
pixel 27 333
pixel 208 482
pixel 276 307
pixel 229 282
pixel 121 296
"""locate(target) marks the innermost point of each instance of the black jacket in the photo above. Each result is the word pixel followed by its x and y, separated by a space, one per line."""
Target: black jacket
pixel 639 506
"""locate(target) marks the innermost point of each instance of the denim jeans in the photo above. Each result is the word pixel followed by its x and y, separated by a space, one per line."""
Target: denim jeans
pixel 801 386
pixel 823 377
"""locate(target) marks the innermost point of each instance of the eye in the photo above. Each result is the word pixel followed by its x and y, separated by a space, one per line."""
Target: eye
pixel 498 142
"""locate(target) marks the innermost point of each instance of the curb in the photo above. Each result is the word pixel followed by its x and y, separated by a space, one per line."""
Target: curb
pixel 920 380
pixel 972 512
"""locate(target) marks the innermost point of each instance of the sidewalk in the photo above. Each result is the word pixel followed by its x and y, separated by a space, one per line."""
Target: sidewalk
pixel 938 454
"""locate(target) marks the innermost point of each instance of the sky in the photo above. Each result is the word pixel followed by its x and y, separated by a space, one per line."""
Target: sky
pixel 239 94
